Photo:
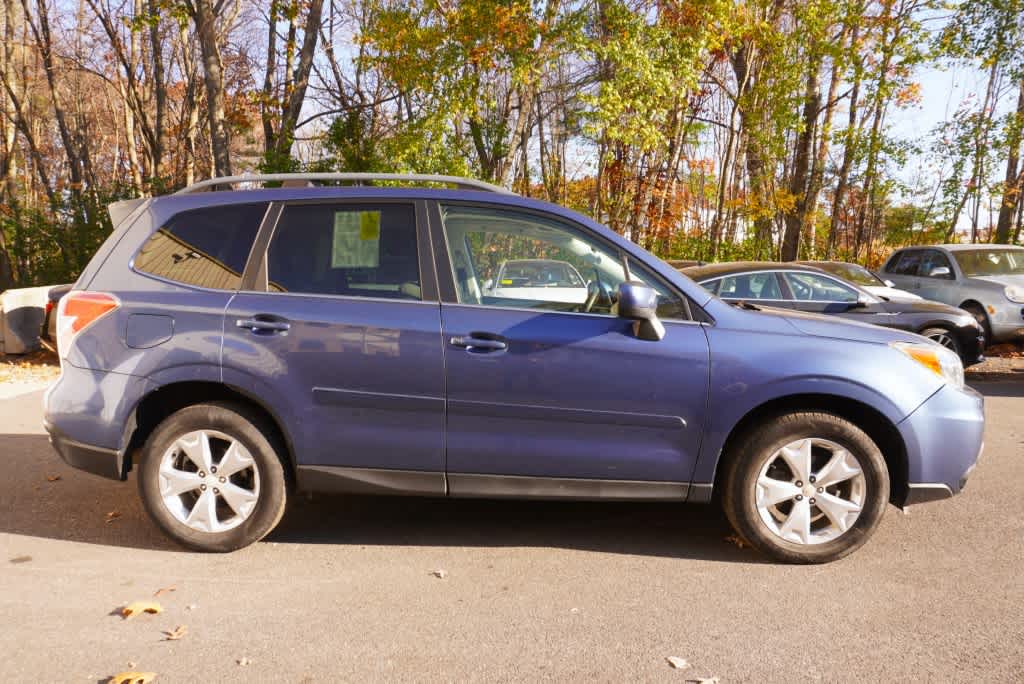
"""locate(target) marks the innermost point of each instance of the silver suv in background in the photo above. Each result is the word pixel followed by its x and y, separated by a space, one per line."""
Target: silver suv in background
pixel 987 280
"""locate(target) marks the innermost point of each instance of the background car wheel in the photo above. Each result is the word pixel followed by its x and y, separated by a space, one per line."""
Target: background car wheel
pixel 805 487
pixel 944 337
pixel 982 318
pixel 211 478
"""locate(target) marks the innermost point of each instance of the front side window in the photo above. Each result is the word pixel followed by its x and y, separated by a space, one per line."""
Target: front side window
pixel 810 287
pixel 763 285
pixel 356 250
pixel 932 260
pixel 203 247
pixel 506 258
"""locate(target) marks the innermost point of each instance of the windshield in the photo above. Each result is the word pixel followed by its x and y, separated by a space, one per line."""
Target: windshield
pixel 853 273
pixel 991 262
pixel 540 273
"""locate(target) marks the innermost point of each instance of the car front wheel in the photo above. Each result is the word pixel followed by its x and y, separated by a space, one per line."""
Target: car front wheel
pixel 805 487
pixel 211 479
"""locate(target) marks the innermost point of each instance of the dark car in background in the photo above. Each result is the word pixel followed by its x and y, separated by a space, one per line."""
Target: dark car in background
pixel 811 289
pixel 858 275
pixel 48 331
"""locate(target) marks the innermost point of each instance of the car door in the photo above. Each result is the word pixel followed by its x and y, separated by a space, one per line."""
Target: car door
pixel 340 323
pixel 902 269
pixel 821 293
pixel 762 287
pixel 552 398
pixel 935 284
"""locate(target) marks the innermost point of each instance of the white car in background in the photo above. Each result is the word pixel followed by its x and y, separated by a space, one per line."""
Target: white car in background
pixel 858 275
pixel 548 280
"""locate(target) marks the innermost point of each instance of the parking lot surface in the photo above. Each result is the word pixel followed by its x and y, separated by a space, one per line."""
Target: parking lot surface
pixel 347 588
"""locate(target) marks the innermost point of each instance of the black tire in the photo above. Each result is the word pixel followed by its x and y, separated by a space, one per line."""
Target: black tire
pixel 947 338
pixel 982 318
pixel 749 453
pixel 250 430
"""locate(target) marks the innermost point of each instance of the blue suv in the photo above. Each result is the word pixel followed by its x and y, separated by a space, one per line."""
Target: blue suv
pixel 233 346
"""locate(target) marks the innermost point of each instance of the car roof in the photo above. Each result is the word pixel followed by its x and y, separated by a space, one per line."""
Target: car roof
pixel 832 262
pixel 960 247
pixel 710 271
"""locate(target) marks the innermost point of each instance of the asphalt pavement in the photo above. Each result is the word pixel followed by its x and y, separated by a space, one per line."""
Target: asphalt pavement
pixel 347 588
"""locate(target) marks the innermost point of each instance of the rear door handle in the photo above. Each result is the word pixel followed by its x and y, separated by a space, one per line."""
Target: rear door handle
pixel 258 325
pixel 473 343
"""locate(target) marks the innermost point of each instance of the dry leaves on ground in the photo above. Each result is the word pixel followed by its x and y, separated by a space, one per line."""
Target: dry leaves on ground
pixel 176 633
pixel 132 678
pixel 30 368
pixel 244 661
pixel 678 663
pixel 137 607
pixel 440 574
pixel 737 540
pixel 21 559
pixel 112 516
pixel 52 478
pixel 164 590
pixel 703 680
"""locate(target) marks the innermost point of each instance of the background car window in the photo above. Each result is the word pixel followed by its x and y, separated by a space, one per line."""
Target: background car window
pixel 989 262
pixel 356 250
pixel 933 259
pixel 811 287
pixel 204 247
pixel 908 263
pixel 762 285
pixel 515 259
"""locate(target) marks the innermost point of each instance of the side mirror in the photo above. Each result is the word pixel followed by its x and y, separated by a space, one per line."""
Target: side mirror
pixel 889 283
pixel 863 301
pixel 639 303
pixel 940 272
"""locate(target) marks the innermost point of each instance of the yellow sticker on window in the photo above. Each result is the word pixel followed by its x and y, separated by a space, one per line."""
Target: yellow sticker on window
pixel 369 225
pixel 356 241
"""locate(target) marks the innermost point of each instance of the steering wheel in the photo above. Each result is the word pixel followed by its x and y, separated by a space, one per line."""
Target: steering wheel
pixel 596 289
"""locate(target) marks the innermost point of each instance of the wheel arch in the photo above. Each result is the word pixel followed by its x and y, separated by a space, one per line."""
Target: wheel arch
pixel 161 402
pixel 882 431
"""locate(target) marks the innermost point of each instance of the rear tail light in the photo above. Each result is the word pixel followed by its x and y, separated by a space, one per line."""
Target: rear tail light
pixel 78 310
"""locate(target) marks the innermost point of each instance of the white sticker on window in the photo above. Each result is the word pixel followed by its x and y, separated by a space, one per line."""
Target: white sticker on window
pixel 356 239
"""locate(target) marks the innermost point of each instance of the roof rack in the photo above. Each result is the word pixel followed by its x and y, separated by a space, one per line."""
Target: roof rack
pixel 356 178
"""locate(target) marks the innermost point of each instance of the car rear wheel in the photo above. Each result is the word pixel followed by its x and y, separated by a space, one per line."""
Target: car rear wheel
pixel 805 487
pixel 944 337
pixel 211 478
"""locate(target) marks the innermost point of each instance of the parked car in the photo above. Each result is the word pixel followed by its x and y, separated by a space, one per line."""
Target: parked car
pixel 987 280
pixel 863 278
pixel 230 347
pixel 48 331
pixel 538 279
pixel 811 289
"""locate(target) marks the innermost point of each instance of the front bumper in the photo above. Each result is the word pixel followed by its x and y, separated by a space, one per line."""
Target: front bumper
pixel 943 438
pixel 1006 320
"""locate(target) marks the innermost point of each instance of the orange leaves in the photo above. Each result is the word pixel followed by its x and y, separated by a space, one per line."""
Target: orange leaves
pixel 138 607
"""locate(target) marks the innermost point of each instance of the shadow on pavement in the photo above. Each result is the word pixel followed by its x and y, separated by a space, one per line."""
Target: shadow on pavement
pixel 999 388
pixel 85 508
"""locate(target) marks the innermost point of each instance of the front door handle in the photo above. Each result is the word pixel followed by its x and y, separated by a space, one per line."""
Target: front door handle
pixel 257 324
pixel 473 343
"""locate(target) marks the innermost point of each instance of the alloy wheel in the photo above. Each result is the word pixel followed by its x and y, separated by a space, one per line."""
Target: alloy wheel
pixel 209 481
pixel 810 491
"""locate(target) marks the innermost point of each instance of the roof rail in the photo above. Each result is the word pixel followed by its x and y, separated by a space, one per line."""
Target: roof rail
pixel 356 178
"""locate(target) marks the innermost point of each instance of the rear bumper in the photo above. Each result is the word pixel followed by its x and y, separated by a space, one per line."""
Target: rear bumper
pixel 100 461
pixel 943 438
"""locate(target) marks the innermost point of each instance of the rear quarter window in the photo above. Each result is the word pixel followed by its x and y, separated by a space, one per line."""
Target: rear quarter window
pixel 203 247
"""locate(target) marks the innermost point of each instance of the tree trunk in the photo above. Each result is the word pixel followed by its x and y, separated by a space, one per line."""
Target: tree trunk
pixel 798 185
pixel 1011 186
pixel 213 79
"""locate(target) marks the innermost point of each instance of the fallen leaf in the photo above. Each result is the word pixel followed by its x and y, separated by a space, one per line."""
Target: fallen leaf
pixel 574 611
pixel 440 574
pixel 164 590
pixel 21 559
pixel 113 515
pixel 52 478
pixel 132 677
pixel 176 633
pixel 678 663
pixel 133 609
pixel 737 540
pixel 703 680
pixel 191 606
pixel 244 661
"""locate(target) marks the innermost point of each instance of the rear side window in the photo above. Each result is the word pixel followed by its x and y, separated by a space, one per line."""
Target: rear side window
pixel 762 285
pixel 907 264
pixel 203 247
pixel 355 250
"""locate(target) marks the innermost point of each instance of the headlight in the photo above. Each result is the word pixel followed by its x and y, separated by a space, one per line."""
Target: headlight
pixel 935 358
pixel 1015 293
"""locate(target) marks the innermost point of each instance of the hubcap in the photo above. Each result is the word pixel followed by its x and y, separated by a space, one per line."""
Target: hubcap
pixel 209 481
pixel 810 491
